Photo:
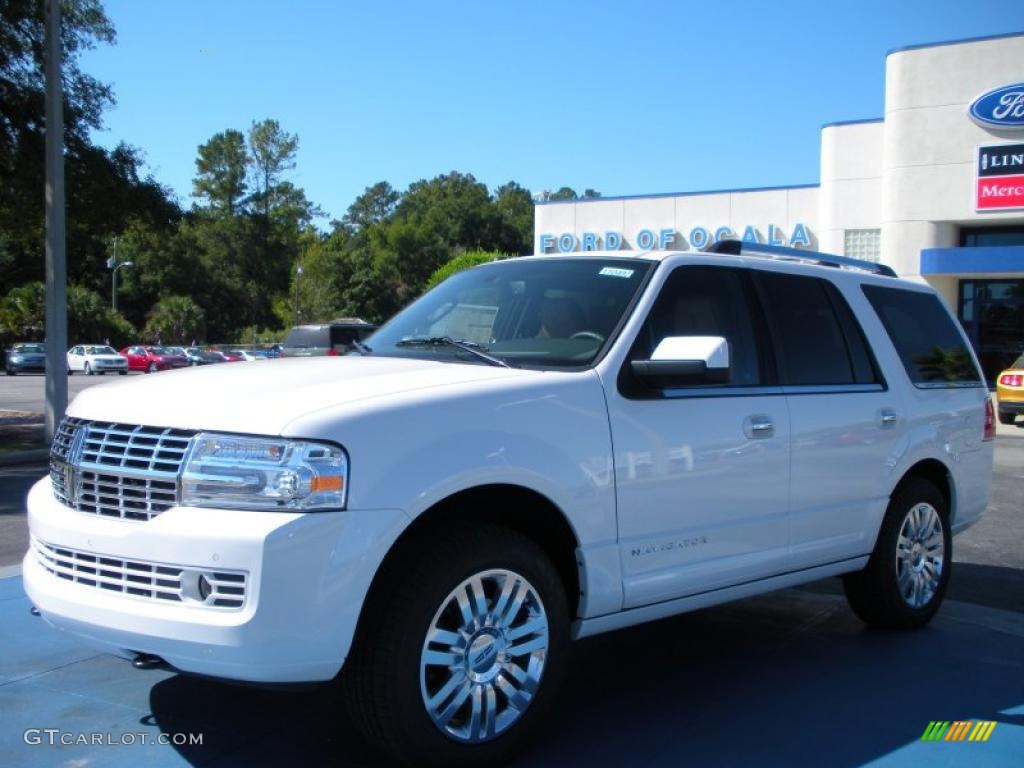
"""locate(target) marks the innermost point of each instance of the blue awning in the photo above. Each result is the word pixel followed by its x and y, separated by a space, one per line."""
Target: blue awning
pixel 986 259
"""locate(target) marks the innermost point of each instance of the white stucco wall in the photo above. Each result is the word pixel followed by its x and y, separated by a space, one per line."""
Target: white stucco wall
pixel 930 144
pixel 851 181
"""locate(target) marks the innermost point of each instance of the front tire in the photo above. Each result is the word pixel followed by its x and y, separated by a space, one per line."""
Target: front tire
pixel 460 649
pixel 906 578
pixel 152 368
pixel 88 370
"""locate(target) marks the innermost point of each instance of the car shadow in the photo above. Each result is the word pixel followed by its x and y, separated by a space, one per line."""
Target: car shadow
pixel 789 678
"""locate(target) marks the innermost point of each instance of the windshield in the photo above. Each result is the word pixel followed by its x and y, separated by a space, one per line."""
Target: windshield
pixel 100 351
pixel 1019 364
pixel 30 348
pixel 554 312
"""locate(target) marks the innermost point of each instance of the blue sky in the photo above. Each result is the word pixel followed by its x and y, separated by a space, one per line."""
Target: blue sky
pixel 625 96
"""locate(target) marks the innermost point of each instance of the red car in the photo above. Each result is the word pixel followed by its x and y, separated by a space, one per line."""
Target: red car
pixel 152 359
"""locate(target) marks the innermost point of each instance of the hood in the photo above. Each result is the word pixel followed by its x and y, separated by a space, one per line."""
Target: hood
pixel 264 399
pixel 106 357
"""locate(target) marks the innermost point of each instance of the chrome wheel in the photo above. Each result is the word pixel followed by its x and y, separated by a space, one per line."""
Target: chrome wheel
pixel 484 655
pixel 920 553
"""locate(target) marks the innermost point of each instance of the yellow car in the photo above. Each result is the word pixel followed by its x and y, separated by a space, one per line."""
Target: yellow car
pixel 1010 392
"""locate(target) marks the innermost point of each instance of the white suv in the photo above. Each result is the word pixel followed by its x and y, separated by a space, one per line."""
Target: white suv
pixel 536 450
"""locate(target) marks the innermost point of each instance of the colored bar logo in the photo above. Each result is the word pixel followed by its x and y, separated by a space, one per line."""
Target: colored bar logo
pixel 958 730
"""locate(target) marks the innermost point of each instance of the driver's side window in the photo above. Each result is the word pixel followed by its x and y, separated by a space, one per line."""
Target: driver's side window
pixel 706 301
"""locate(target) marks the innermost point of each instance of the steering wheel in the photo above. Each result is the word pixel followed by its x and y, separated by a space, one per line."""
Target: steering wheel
pixel 587 335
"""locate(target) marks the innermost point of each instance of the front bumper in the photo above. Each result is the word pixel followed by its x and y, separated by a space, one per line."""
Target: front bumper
pixel 306 574
pixel 21 366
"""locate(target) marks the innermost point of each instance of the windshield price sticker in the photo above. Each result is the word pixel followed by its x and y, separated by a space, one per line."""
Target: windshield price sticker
pixel 616 272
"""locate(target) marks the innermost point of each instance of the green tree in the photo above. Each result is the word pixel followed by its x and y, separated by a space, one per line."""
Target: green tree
pixel 271 153
pixel 23 313
pixel 175 320
pixel 104 187
pixel 220 172
pixel 376 204
pixel 514 206
pixel 91 320
pixel 462 262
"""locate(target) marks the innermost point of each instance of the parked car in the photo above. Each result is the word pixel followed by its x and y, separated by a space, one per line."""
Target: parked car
pixel 199 356
pixel 1010 392
pixel 231 356
pixel 334 338
pixel 27 356
pixel 152 359
pixel 96 358
pixel 536 450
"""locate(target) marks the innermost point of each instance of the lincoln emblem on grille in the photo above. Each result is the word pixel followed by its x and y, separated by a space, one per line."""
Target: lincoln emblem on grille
pixel 72 479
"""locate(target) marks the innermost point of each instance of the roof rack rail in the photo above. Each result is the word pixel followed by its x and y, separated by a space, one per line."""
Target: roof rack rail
pixel 737 247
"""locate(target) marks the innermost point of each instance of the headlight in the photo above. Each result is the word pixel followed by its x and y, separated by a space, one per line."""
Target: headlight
pixel 264 474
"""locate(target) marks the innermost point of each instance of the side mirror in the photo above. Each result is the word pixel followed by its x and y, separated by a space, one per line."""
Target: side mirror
pixel 686 360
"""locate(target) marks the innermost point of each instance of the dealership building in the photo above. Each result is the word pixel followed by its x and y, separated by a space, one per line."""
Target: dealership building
pixel 934 189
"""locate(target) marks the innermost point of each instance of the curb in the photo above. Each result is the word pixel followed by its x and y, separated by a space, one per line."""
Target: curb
pixel 32 456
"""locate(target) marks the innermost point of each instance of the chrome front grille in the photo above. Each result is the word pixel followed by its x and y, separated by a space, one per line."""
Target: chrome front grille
pixel 153 581
pixel 134 498
pixel 117 470
pixel 153 450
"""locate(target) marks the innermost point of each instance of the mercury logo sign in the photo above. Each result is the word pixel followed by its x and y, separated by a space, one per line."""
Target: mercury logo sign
pixel 1000 108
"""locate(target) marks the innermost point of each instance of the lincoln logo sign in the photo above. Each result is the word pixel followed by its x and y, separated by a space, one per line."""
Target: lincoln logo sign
pixel 999 184
pixel 1001 108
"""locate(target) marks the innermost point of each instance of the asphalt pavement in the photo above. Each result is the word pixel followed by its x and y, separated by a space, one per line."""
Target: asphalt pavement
pixel 27 391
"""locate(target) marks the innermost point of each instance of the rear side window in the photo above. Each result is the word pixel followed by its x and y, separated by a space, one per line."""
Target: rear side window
pixel 927 340
pixel 308 337
pixel 817 339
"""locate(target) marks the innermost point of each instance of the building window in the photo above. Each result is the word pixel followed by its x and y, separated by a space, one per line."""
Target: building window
pixel 980 237
pixel 864 244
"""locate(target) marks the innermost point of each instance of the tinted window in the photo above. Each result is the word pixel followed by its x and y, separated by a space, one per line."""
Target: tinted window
pixel 927 340
pixel 809 339
pixel 705 301
pixel 313 336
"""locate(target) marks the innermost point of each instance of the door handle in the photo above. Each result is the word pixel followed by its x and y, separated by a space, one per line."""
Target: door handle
pixel 758 427
pixel 887 417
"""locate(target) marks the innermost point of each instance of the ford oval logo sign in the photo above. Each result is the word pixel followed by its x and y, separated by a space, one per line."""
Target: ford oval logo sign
pixel 1001 108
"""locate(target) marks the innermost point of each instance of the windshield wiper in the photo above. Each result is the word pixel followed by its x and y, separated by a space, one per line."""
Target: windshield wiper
pixel 361 348
pixel 447 341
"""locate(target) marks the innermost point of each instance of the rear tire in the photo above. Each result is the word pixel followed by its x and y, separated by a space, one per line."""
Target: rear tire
pixel 906 578
pixel 1007 418
pixel 492 671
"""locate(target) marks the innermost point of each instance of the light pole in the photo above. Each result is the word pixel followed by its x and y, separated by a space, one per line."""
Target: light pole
pixel 298 275
pixel 113 280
